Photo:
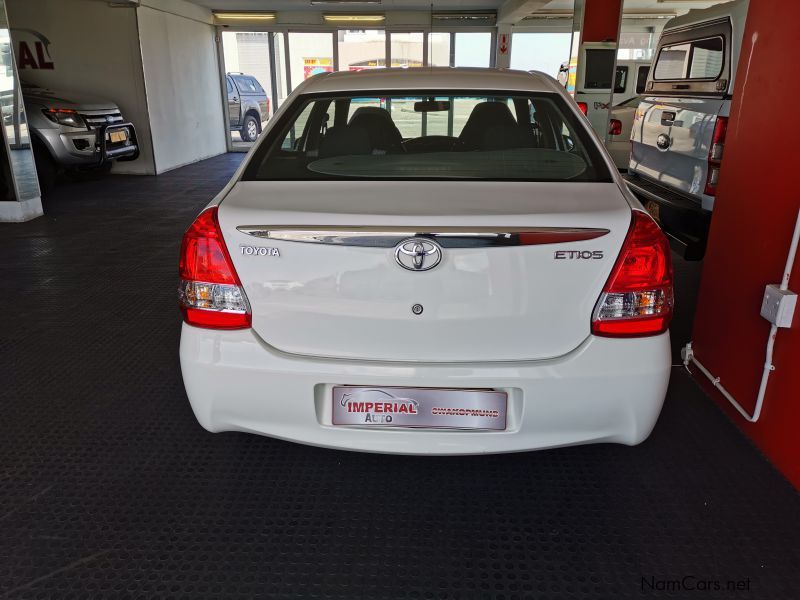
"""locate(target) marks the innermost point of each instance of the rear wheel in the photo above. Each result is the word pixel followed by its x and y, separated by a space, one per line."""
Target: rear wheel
pixel 250 129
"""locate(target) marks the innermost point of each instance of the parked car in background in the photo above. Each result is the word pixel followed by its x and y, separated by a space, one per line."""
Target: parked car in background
pixel 352 288
pixel 73 131
pixel 248 105
pixel 619 131
pixel 680 126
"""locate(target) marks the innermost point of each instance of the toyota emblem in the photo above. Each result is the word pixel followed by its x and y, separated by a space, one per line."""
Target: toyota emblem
pixel 418 254
pixel 663 141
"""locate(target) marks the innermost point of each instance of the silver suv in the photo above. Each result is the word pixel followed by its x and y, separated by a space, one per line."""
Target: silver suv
pixel 75 132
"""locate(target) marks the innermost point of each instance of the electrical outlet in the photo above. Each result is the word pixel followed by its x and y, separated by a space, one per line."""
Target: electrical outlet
pixel 778 305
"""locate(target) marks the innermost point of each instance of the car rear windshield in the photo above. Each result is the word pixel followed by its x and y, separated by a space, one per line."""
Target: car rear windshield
pixel 697 59
pixel 429 135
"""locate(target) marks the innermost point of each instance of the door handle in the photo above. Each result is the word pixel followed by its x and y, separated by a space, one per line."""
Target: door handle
pixel 667 118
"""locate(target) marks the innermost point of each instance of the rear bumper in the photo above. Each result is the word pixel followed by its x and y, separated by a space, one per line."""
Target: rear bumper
pixel 607 390
pixel 683 219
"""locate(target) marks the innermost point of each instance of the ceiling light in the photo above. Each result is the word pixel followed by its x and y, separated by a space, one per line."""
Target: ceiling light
pixel 464 16
pixel 341 18
pixel 244 16
pixel 317 2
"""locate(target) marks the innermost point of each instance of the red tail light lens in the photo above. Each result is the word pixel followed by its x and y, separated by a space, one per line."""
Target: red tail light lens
pixel 715 155
pixel 637 298
pixel 210 294
pixel 584 107
pixel 615 127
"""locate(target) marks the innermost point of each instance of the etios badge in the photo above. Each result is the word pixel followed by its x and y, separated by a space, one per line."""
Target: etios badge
pixel 418 254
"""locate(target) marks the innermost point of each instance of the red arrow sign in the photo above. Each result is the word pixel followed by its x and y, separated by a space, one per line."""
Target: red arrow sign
pixel 503 43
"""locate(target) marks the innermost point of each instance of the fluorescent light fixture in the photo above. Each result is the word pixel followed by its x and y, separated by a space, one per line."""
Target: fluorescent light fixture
pixel 465 16
pixel 318 2
pixel 343 18
pixel 244 16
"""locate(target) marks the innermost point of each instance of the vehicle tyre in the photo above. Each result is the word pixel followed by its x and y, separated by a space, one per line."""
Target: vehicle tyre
pixel 250 129
pixel 46 168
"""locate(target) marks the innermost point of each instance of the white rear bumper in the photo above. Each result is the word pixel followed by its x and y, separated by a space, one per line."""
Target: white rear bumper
pixel 607 390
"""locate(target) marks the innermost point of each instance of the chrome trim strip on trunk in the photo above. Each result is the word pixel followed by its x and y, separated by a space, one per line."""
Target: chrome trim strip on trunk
pixel 447 237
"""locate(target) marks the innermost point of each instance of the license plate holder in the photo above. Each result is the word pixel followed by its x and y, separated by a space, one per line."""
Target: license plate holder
pixel 423 408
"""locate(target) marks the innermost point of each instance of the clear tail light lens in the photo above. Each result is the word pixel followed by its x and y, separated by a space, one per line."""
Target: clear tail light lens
pixel 637 299
pixel 210 294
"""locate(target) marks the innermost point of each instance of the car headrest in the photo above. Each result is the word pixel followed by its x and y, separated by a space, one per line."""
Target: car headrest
pixel 377 122
pixel 485 116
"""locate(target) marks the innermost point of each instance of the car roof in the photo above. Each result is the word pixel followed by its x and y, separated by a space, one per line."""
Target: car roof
pixel 736 9
pixel 435 78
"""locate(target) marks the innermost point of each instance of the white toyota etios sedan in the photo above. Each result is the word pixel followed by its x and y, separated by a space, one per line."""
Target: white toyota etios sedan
pixel 427 261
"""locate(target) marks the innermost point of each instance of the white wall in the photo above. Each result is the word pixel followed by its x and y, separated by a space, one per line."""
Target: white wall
pixel 181 76
pixel 94 51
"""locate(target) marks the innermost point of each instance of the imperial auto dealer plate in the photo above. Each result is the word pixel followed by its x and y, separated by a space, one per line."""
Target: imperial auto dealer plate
pixel 419 407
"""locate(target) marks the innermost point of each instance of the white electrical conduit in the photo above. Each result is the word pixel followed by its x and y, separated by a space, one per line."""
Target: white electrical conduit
pixel 688 353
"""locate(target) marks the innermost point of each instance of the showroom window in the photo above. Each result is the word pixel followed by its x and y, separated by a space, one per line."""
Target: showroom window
pixel 544 52
pixel 406 49
pixel 439 46
pixel 473 49
pixel 361 49
pixel 249 85
pixel 309 54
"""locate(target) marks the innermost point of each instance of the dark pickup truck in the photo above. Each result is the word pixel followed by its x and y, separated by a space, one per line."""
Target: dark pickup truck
pixel 248 105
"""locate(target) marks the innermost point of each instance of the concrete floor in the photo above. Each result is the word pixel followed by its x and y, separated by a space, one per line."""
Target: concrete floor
pixel 110 488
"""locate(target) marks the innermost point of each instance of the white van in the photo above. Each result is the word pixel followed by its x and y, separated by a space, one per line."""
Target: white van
pixel 630 80
pixel 679 128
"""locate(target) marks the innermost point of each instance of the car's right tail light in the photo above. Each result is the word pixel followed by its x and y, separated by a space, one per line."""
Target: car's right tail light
pixel 715 155
pixel 637 298
pixel 615 127
pixel 210 293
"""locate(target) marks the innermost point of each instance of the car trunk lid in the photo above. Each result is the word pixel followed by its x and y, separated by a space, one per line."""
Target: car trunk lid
pixel 343 293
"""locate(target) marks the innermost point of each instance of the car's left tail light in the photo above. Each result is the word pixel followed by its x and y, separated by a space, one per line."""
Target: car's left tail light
pixel 210 293
pixel 637 298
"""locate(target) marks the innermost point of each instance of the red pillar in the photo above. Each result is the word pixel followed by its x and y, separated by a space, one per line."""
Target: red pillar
pixel 601 19
pixel 754 216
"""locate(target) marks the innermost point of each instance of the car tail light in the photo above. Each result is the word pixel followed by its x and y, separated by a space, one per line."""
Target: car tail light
pixel 584 107
pixel 715 155
pixel 637 298
pixel 615 127
pixel 210 293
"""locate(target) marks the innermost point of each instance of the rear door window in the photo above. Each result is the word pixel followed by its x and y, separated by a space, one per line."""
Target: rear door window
pixel 621 80
pixel 245 84
pixel 256 85
pixel 641 79
pixel 693 61
pixel 698 59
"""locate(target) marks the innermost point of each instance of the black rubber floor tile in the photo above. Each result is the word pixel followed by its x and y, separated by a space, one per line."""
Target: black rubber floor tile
pixel 110 489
